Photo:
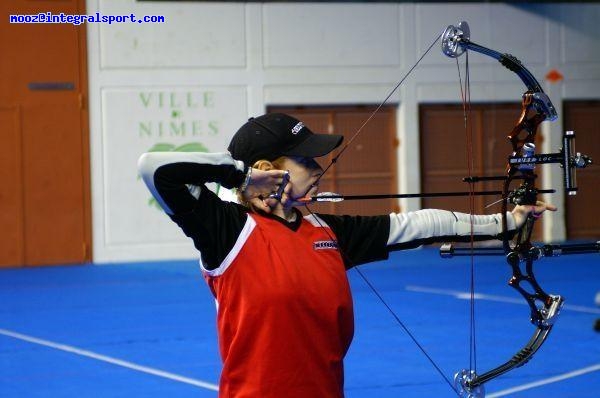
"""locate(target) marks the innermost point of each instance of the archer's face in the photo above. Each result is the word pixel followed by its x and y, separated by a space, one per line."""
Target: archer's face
pixel 304 172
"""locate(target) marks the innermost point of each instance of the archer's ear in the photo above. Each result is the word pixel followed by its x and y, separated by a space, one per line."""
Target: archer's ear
pixel 264 165
pixel 261 204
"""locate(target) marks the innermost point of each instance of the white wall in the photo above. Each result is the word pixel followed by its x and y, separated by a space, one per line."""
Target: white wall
pixel 198 76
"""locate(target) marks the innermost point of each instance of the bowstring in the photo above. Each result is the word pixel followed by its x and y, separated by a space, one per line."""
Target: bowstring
pixel 360 273
pixel 372 115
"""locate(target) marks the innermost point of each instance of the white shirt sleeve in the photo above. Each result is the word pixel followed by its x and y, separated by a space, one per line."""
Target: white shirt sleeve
pixel 430 223
pixel 149 162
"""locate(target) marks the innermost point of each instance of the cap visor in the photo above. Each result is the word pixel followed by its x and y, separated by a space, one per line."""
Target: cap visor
pixel 316 145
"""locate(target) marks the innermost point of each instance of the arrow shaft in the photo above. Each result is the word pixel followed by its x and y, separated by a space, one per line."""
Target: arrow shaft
pixel 338 197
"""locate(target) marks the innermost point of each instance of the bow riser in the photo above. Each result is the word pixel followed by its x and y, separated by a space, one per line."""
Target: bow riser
pixel 525 130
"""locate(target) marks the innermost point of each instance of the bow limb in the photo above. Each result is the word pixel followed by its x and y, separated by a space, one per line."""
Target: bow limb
pixel 544 309
pixel 456 40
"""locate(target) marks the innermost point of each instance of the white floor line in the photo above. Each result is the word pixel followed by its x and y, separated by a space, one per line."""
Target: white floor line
pixel 480 296
pixel 111 360
pixel 564 376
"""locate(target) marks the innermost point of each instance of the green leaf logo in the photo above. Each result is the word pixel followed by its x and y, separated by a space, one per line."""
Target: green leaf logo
pixel 191 147
pixel 162 147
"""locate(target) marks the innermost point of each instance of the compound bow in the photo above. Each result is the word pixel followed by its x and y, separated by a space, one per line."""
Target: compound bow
pixel 520 253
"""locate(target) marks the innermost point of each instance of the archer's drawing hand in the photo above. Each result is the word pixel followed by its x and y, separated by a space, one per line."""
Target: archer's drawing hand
pixel 263 183
pixel 521 212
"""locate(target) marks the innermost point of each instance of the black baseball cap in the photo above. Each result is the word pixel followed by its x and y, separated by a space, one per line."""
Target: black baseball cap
pixel 274 135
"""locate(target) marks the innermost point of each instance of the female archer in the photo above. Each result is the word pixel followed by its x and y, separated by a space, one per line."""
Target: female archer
pixel 285 317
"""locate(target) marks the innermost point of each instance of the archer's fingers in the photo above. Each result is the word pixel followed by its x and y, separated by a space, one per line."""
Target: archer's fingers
pixel 285 196
pixel 277 175
pixel 539 205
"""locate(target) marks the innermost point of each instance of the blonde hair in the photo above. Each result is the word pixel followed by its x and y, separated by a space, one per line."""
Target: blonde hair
pixel 264 165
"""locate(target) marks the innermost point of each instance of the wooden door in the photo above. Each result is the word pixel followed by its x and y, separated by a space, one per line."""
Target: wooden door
pixel 583 221
pixel 444 153
pixel 369 164
pixel 45 195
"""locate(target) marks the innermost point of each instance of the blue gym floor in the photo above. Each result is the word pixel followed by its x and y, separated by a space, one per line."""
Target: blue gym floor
pixel 148 330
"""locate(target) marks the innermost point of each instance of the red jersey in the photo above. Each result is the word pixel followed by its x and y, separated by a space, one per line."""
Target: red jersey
pixel 285 312
pixel 285 315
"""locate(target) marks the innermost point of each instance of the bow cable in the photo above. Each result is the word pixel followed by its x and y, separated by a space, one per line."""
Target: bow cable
pixel 372 115
pixel 384 302
pixel 465 93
